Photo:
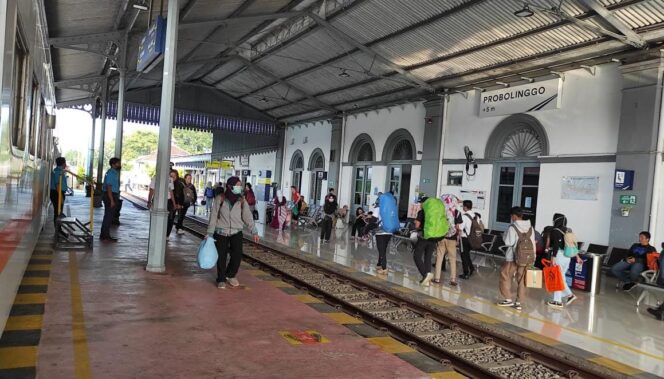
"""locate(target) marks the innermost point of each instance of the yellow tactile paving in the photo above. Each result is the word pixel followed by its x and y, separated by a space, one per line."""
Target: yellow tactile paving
pixel 254 272
pixel 24 322
pixel 343 318
pixel 16 357
pixel 307 299
pixel 540 338
pixel 30 298
pixel 441 303
pixel 446 375
pixel 390 345
pixel 279 284
pixel 41 267
pixel 484 318
pixel 617 366
pixel 34 281
pixel 404 290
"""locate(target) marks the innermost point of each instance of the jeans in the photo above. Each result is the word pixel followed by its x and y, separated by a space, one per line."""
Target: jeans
pixel 358 227
pixel 172 212
pixel 55 199
pixel 109 214
pixel 635 269
pixel 382 242
pixel 228 245
pixel 181 214
pixel 326 228
pixel 466 261
pixel 563 262
pixel 423 253
pixel 208 204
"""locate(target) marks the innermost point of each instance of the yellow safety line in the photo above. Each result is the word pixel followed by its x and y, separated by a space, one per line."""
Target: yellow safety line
pixel 80 341
pixel 579 332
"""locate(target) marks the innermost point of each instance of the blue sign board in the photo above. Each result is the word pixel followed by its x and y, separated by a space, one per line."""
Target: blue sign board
pixel 624 180
pixel 152 46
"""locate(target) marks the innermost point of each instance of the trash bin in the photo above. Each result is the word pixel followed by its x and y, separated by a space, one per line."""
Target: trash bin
pixel 586 276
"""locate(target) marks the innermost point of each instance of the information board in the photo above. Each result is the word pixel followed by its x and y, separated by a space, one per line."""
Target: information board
pixel 532 97
pixel 152 46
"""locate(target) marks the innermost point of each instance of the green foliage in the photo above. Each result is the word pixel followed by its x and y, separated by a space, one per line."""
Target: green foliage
pixel 73 158
pixel 151 170
pixel 194 142
pixel 81 174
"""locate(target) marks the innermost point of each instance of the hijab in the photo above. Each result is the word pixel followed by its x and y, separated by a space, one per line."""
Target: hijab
pixel 560 221
pixel 230 183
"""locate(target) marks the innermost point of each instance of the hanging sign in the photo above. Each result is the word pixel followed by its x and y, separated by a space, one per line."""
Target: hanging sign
pixel 532 97
pixel 226 165
pixel 624 180
pixel 244 160
pixel 153 44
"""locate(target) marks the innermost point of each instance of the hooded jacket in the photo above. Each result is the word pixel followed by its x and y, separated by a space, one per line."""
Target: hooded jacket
pixel 228 219
pixel 510 237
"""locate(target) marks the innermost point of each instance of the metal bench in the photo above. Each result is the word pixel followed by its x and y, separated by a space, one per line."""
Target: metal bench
pixel 649 286
pixel 487 250
pixel 312 218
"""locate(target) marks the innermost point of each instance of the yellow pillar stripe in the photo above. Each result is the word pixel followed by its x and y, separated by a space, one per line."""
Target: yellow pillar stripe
pixel 30 298
pixel 24 322
pixel 17 357
pixel 81 357
pixel 34 281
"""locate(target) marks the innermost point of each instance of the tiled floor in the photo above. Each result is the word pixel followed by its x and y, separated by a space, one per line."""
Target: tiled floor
pixel 608 324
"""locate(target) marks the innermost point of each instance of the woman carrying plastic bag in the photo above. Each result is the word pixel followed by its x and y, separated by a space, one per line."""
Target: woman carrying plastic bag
pixel 207 254
pixel 556 244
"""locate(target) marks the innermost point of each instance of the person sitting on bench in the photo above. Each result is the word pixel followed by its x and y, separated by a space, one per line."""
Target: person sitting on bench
pixel 372 223
pixel 628 270
pixel 359 223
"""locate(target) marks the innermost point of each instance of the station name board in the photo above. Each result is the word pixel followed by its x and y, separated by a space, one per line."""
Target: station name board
pixel 532 97
pixel 153 44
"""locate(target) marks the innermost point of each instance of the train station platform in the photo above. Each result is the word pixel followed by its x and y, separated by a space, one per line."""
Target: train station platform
pixel 607 329
pixel 99 314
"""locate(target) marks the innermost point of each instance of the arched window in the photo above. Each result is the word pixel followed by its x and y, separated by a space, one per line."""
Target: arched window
pixel 400 146
pixel 362 149
pixel 296 167
pixel 365 154
pixel 517 136
pixel 316 167
pixel 317 160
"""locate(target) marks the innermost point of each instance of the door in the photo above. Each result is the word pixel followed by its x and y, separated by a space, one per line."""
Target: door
pixel 399 184
pixel 297 180
pixel 361 187
pixel 516 184
pixel 316 188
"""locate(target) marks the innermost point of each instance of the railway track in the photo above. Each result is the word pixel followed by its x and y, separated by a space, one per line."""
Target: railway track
pixel 471 351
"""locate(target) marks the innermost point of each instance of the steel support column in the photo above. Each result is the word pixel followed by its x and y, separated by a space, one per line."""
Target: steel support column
pixel 102 131
pixel 91 150
pixel 159 218
pixel 120 118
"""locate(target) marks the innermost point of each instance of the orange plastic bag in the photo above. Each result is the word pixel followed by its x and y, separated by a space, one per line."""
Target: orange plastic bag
pixel 553 277
pixel 653 261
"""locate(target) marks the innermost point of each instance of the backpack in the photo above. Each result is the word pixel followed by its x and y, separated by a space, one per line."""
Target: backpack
pixel 435 219
pixel 524 251
pixel 189 196
pixel 571 243
pixel 388 213
pixel 209 192
pixel 452 221
pixel 475 237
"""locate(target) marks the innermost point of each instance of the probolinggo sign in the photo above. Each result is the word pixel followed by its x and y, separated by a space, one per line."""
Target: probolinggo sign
pixel 532 97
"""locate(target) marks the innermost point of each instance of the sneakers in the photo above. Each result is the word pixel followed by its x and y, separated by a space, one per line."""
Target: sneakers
pixel 426 282
pixel 657 313
pixel 221 285
pixel 180 231
pixel 505 303
pixel 233 282
pixel 628 286
pixel 453 283
pixel 570 299
pixel 517 306
pixel 555 304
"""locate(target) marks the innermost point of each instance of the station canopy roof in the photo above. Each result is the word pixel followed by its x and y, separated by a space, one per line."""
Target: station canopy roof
pixel 308 59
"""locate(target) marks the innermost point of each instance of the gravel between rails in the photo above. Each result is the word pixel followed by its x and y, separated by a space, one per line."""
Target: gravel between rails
pixel 419 326
pixel 488 354
pixel 453 338
pixel 358 296
pixel 396 314
pixel 535 371
pixel 374 305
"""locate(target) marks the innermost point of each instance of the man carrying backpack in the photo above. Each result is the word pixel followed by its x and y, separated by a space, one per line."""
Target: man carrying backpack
pixel 209 197
pixel 520 241
pixel 472 231
pixel 190 197
pixel 432 221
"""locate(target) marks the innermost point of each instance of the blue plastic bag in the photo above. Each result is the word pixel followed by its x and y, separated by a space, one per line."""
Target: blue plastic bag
pixel 207 254
pixel 388 212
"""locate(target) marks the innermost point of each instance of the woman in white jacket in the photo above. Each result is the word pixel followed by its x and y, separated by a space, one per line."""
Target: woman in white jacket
pixel 230 214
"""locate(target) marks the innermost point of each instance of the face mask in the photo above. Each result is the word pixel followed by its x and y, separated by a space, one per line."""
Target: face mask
pixel 331 200
pixel 237 190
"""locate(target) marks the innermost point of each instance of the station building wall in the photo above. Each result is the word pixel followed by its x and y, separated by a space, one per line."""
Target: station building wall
pixel 257 163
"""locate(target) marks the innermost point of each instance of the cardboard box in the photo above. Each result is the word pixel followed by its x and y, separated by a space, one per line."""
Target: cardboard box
pixel 534 278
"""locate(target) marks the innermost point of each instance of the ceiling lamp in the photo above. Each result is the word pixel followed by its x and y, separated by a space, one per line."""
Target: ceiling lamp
pixel 140 5
pixel 524 12
pixel 344 74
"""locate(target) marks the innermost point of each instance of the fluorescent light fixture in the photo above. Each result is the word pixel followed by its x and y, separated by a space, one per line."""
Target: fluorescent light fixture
pixel 503 84
pixel 141 6
pixel 344 74
pixel 524 12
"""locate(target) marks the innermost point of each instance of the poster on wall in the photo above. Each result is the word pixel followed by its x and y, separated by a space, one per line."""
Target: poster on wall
pixel 244 160
pixel 477 197
pixel 532 97
pixel 579 187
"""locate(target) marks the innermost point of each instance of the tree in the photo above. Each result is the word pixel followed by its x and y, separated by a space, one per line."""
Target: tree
pixel 193 141
pixel 73 158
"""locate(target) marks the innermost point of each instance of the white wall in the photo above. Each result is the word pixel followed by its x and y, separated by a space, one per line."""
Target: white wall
pixel 257 162
pixel 586 123
pixel 480 182
pixel 318 135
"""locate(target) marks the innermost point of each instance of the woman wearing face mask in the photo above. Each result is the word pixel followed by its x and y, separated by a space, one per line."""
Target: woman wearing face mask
pixel 230 213
pixel 329 209
pixel 280 212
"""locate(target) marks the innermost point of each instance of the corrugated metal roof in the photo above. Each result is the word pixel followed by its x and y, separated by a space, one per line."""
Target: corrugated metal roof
pixel 642 14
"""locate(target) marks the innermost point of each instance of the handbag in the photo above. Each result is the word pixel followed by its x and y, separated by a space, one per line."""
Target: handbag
pixel 553 277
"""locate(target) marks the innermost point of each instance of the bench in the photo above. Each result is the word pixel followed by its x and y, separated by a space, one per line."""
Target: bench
pixel 649 286
pixel 312 218
pixel 487 250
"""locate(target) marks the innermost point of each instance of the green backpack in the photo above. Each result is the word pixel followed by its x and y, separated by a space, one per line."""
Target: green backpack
pixel 435 219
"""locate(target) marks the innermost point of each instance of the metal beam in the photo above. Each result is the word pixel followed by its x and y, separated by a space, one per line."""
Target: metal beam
pixel 239 19
pixel 417 82
pixel 88 84
pixel 630 36
pixel 187 9
pixel 74 102
pixel 87 39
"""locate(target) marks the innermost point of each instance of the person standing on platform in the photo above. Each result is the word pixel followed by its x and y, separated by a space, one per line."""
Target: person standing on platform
pixel 448 245
pixel 111 198
pixel 556 242
pixel 329 209
pixel 230 214
pixel 280 213
pixel 209 197
pixel 388 221
pixel 190 196
pixel 295 198
pixel 58 187
pixel 251 200
pixel 178 200
pixel 515 236
pixel 432 221
pixel 330 192
pixel 468 216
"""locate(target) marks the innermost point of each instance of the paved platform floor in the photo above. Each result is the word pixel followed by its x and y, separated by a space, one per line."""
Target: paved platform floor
pixel 608 325
pixel 99 314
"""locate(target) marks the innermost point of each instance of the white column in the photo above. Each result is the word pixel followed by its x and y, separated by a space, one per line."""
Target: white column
pixel 121 109
pixel 159 219
pixel 91 151
pixel 102 132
